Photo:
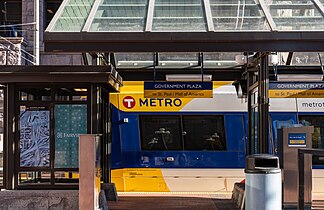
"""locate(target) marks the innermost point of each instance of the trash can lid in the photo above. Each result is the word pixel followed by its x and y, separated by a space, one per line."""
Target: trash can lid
pixel 262 163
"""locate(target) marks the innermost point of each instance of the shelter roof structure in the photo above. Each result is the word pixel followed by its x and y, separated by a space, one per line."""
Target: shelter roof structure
pixel 187 26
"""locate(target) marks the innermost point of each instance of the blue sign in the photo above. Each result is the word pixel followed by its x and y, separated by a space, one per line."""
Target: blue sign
pixel 296 139
pixel 178 89
pixel 296 90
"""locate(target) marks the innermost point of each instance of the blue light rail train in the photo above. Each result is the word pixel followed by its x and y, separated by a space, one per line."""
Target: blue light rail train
pixel 196 144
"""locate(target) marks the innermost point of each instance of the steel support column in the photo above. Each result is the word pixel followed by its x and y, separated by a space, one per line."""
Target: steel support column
pixel 249 81
pixel 249 93
pixel 9 136
pixel 263 105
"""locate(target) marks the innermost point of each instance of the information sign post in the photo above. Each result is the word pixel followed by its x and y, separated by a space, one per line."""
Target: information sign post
pixel 89 182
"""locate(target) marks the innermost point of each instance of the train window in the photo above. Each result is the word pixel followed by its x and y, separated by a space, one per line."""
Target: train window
pixel 204 132
pixel 318 135
pixel 160 132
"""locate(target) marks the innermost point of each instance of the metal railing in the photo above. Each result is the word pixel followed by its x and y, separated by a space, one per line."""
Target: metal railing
pixel 301 173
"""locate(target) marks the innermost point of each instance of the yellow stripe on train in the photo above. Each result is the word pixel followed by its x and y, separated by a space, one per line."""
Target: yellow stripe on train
pixel 139 180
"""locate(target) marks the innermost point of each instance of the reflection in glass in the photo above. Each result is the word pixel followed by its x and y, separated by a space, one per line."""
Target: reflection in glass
pixel 178 15
pixel 220 60
pixel 204 132
pixel 70 121
pixel 62 177
pixel 178 59
pixel 317 136
pixel 237 15
pixel 74 15
pixel 201 132
pixel 34 177
pixel 135 60
pixel 296 15
pixel 35 94
pixel 306 58
pixel 34 126
pixel 71 94
pixel 117 15
pixel 160 132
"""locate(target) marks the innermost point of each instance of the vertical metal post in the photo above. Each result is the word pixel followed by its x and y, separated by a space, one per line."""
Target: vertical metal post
pixel 9 138
pixel 155 63
pixel 263 105
pixel 301 181
pixel 249 82
pixel 201 61
pixel 36 32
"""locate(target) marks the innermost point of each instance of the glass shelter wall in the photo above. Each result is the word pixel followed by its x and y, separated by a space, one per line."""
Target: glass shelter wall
pixel 50 120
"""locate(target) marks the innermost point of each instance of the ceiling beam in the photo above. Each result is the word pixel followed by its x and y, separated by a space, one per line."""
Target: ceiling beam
pixel 297 41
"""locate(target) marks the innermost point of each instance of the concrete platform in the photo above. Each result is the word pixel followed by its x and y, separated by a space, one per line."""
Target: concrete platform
pixel 185 201
pixel 172 201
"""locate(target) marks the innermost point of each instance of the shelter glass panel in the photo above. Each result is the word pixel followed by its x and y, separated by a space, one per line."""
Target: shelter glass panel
pixel 73 16
pixel 71 94
pixel 134 60
pixel 34 127
pixel 296 15
pixel 34 177
pixel 220 60
pixel 179 15
pixel 317 136
pixel 238 15
pixel 35 94
pixel 178 59
pixel 62 177
pixel 307 58
pixel 117 15
pixel 70 121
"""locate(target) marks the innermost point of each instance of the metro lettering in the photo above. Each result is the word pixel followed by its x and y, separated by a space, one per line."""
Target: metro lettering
pixel 143 102
pixel 168 101
pixel 160 102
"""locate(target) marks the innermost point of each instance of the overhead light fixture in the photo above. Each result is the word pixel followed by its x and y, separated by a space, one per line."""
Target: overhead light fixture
pixel 299 77
pixel 188 77
pixel 80 89
pixel 50 11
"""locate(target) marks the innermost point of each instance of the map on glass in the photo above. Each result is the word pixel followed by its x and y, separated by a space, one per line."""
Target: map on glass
pixel 70 121
pixel 34 136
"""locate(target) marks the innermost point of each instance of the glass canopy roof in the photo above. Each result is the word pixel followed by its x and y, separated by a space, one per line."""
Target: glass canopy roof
pixel 213 60
pixel 188 15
